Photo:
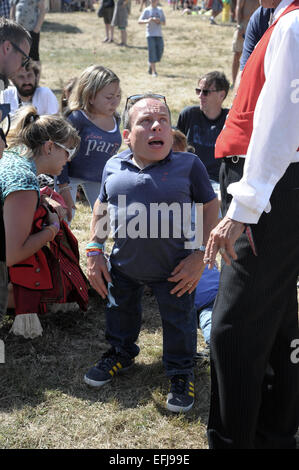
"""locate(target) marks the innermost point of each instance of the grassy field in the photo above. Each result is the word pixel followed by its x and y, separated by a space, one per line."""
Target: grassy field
pixel 44 403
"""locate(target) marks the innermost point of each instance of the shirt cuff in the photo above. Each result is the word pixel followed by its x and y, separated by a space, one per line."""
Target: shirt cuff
pixel 241 213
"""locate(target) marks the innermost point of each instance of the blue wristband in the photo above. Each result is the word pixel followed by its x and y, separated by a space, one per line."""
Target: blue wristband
pixel 95 245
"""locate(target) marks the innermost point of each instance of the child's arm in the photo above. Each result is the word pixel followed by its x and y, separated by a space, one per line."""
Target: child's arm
pixel 140 21
pixel 143 19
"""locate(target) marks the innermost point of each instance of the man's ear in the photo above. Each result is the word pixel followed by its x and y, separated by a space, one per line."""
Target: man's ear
pixel 6 47
pixel 126 136
pixel 222 92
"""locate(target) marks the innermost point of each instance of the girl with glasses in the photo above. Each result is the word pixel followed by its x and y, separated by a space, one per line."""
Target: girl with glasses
pixel 92 110
pixel 36 145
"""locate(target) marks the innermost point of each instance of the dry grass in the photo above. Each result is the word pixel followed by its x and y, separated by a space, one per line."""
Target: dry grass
pixel 43 400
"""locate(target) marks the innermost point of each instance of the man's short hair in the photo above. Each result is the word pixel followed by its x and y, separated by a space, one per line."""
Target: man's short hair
pixel 34 67
pixel 12 31
pixel 217 78
pixel 126 114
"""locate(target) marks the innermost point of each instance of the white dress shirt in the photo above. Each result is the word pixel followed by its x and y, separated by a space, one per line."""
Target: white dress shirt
pixel 275 137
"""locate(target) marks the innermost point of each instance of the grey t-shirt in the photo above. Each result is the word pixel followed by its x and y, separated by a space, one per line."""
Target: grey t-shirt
pixel 27 12
pixel 152 28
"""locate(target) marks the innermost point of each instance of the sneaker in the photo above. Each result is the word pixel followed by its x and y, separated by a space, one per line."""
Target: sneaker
pixel 212 21
pixel 154 74
pixel 203 355
pixel 181 395
pixel 108 366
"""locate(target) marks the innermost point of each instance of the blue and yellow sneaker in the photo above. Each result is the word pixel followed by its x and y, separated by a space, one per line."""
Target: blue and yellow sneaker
pixel 111 363
pixel 181 396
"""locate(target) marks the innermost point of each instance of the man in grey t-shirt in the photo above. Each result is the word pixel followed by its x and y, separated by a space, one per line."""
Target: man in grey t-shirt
pixel 30 14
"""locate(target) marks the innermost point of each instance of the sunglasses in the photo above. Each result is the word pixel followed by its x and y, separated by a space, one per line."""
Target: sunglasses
pixel 70 152
pixel 198 91
pixel 27 58
pixel 134 98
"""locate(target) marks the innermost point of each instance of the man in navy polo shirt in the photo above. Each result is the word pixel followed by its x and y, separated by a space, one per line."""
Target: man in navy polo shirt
pixel 150 246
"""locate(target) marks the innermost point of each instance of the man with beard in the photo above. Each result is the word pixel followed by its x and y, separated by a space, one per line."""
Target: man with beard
pixel 26 91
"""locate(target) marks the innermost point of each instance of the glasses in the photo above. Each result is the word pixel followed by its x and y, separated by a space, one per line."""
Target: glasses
pixel 27 58
pixel 70 152
pixel 206 92
pixel 134 98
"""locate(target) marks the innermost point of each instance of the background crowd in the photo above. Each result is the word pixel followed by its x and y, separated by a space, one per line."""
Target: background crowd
pixel 49 141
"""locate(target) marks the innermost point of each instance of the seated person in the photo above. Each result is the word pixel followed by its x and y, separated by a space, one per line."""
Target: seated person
pixel 41 252
pixel 203 123
pixel 205 295
pixel 26 91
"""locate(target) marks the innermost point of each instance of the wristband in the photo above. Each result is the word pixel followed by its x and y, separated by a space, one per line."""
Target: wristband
pixel 94 245
pixel 89 254
pixel 56 224
pixel 201 248
pixel 64 188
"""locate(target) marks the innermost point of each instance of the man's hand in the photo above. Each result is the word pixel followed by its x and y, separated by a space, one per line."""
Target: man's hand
pixel 222 238
pixel 187 274
pixel 98 274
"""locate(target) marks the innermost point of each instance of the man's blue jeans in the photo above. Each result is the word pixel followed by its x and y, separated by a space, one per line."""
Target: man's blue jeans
pixel 205 321
pixel 178 314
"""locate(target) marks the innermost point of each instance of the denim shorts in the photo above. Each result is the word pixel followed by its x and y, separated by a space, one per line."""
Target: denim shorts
pixel 155 48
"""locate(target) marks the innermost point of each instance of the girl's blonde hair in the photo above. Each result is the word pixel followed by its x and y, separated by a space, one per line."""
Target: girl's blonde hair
pixel 32 131
pixel 93 79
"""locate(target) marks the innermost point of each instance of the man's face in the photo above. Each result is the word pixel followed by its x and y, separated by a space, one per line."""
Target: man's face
pixel 25 82
pixel 150 137
pixel 212 102
pixel 13 58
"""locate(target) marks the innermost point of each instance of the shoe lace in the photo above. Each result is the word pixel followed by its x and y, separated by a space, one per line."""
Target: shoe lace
pixel 108 359
pixel 178 384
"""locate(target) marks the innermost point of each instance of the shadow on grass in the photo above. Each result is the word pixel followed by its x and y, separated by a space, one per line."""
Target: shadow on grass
pixel 72 342
pixel 52 27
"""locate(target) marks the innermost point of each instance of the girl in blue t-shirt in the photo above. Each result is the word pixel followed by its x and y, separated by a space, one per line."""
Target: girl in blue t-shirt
pixel 92 111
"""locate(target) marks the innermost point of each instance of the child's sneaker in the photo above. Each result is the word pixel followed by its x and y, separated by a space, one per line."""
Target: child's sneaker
pixel 108 366
pixel 181 395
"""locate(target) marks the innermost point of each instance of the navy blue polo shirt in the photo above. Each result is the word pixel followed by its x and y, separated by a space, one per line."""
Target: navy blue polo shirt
pixel 150 207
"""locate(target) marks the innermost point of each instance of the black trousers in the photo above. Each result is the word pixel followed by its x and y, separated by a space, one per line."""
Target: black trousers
pixel 255 320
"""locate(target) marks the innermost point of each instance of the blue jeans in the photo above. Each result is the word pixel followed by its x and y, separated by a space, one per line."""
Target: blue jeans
pixel 205 321
pixel 91 190
pixel 178 314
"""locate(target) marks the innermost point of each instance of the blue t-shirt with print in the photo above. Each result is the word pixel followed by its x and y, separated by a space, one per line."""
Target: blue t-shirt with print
pixel 152 211
pixel 96 147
